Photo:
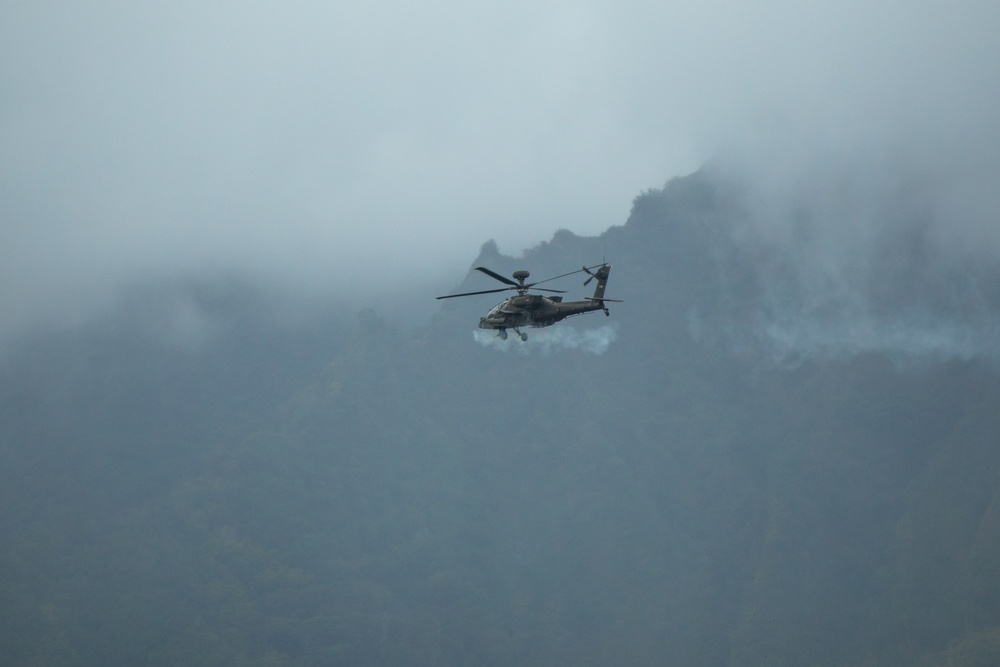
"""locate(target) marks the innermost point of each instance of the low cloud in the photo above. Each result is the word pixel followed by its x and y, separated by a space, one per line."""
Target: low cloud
pixel 332 148
pixel 856 253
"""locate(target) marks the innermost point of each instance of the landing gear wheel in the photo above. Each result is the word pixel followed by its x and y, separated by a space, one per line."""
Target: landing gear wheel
pixel 503 334
pixel 524 337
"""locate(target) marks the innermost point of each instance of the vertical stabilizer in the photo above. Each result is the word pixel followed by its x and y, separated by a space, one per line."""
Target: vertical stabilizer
pixel 602 281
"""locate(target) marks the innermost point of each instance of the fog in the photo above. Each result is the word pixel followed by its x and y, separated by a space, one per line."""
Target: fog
pixel 779 448
pixel 349 148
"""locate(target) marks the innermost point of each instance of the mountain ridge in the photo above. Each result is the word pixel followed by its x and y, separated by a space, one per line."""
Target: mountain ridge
pixel 351 490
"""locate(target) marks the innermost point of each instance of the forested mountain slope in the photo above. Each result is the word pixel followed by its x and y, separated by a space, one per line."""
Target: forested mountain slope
pixel 750 472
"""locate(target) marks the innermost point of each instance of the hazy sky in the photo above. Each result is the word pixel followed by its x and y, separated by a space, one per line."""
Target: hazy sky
pixel 333 144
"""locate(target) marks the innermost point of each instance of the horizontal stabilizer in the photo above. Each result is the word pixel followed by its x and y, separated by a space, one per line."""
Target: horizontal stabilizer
pixel 602 299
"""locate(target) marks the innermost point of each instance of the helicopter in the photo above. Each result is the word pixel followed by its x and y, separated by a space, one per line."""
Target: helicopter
pixel 535 310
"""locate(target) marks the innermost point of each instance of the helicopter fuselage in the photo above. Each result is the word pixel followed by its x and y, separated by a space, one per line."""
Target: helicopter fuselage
pixel 534 310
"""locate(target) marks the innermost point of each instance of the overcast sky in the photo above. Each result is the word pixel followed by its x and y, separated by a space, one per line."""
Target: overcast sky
pixel 328 144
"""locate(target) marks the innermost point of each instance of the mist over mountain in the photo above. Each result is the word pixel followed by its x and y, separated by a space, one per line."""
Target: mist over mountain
pixel 780 449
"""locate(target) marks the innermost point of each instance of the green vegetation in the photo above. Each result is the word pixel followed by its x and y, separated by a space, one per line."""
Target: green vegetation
pixel 349 493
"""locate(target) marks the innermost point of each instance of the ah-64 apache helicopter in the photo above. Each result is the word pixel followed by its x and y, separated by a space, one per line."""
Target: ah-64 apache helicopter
pixel 535 310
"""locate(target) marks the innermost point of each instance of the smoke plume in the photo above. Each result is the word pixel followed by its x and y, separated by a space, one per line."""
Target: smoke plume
pixel 553 339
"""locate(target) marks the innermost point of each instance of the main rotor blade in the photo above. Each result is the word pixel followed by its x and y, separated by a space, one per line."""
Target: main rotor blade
pixel 514 285
pixel 587 269
pixel 487 291
pixel 491 274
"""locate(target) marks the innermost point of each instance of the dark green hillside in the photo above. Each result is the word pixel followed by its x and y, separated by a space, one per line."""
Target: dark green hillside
pixel 344 492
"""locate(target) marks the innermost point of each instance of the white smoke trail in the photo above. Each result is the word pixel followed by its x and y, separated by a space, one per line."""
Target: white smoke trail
pixel 793 339
pixel 545 341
